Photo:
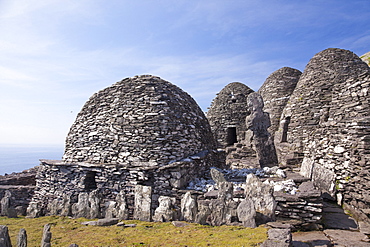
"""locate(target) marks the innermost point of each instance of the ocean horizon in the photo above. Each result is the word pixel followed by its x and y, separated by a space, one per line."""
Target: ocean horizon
pixel 17 158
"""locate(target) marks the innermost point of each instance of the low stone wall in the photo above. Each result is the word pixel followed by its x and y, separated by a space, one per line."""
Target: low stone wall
pixel 20 197
pixel 304 208
pixel 60 183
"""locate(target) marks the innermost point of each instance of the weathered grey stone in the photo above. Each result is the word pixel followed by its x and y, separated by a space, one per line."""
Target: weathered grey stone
pixel 311 238
pixel 278 238
pixel 231 215
pixel 81 208
pixel 129 225
pixel 33 209
pixel 110 209
pixel 189 207
pixel 348 238
pixel 4 237
pixel 203 212
pixel 121 206
pixel 217 176
pixel 165 211
pixel 247 213
pixel 218 210
pixel 90 223
pixel 94 201
pixel 225 191
pixel 73 245
pixel 46 236
pixel 179 224
pixel 60 206
pixel 22 238
pixel 88 205
pixel 257 123
pixel 143 202
pixel 7 209
pixel 107 222
pixel 262 196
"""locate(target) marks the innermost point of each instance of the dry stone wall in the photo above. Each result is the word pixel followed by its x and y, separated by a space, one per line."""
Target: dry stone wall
pixel 60 185
pixel 325 125
pixel 337 156
pixel 139 121
pixel 276 91
pixel 309 105
pixel 228 112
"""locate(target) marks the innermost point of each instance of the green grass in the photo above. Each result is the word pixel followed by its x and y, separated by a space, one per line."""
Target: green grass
pixel 66 231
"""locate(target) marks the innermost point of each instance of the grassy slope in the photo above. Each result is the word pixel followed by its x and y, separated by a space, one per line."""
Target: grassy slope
pixel 66 231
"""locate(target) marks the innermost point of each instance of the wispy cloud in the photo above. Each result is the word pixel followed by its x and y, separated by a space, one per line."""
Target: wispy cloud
pixel 54 55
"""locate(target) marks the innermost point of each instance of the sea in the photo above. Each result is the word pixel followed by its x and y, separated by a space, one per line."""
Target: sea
pixel 17 158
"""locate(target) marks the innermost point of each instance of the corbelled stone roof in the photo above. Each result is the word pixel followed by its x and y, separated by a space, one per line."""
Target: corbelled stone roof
pixel 276 91
pixel 229 108
pixel 311 102
pixel 140 121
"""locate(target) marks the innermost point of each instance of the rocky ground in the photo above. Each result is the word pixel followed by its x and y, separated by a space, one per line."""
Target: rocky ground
pixel 339 230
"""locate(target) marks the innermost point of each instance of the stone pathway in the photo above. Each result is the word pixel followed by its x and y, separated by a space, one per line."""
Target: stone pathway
pixel 341 230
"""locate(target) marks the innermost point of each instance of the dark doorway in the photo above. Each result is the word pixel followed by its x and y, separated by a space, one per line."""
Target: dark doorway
pixel 284 137
pixel 89 181
pixel 231 137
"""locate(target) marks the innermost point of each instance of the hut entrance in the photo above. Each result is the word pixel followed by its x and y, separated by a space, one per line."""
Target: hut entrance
pixel 89 181
pixel 231 137
pixel 284 137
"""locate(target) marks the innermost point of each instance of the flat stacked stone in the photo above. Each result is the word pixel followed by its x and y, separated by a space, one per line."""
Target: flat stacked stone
pixel 228 111
pixel 311 101
pixel 276 91
pixel 329 127
pixel 141 131
pixel 142 121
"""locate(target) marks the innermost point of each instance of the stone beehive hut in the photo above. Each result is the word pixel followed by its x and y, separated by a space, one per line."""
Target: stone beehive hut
pixel 329 126
pixel 142 121
pixel 312 100
pixel 139 131
pixel 228 112
pixel 276 91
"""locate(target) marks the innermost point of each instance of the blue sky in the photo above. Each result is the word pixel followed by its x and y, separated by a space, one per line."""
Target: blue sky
pixel 55 54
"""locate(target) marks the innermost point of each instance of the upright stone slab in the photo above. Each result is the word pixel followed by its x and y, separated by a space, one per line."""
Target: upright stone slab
pixel 204 212
pixel 166 209
pixel 94 203
pixel 4 237
pixel 46 236
pixel 225 191
pixel 218 208
pixel 217 176
pixel 22 238
pixel 247 213
pixel 262 196
pixel 143 203
pixel 189 207
pixel 121 206
pixel 82 208
pixel 257 124
pixel 7 208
